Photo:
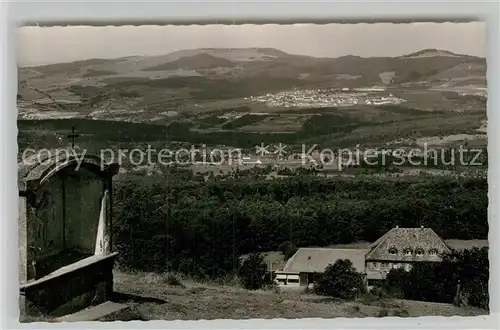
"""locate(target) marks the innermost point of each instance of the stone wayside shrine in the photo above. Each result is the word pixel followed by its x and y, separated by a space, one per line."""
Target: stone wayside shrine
pixel 66 260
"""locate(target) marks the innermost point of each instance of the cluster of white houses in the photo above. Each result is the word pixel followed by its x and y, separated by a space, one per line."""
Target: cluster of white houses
pixel 398 248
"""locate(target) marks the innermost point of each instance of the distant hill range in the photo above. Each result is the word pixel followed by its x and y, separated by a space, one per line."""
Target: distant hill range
pixel 270 62
pixel 218 74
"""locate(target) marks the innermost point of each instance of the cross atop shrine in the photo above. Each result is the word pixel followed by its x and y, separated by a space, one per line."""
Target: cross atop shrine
pixel 73 136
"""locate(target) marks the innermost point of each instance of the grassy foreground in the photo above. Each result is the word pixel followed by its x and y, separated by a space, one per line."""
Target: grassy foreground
pixel 154 299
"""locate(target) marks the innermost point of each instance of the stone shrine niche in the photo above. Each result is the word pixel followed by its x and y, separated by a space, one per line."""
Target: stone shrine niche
pixel 65 229
pixel 67 210
pixel 84 191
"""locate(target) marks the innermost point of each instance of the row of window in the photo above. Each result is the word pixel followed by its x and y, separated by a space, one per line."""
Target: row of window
pixel 409 252
pixel 385 265
pixel 286 281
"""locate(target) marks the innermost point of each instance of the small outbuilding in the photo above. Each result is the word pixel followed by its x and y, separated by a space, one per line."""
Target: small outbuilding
pixel 303 267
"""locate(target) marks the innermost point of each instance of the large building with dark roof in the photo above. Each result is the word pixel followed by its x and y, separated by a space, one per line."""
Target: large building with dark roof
pixel 398 248
pixel 402 248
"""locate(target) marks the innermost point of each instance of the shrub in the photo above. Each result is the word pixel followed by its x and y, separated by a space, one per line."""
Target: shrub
pixel 471 269
pixel 477 295
pixel 429 282
pixel 253 272
pixel 340 280
pixel 394 282
pixel 466 270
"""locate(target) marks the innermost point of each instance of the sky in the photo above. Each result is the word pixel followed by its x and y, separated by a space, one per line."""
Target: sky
pixel 47 45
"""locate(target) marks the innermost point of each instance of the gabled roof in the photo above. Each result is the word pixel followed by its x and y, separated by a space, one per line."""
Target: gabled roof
pixel 315 260
pixel 402 239
pixel 35 170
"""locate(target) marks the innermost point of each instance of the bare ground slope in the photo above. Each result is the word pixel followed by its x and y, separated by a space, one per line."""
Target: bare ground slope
pixel 154 299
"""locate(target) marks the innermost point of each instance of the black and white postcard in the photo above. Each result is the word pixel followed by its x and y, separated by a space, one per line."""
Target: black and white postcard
pixel 252 171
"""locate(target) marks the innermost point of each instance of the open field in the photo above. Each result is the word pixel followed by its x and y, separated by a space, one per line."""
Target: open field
pixel 245 97
pixel 201 80
pixel 364 127
pixel 369 126
pixel 469 139
pixel 154 299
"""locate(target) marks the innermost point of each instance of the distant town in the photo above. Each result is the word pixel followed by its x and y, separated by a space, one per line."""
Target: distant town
pixel 316 98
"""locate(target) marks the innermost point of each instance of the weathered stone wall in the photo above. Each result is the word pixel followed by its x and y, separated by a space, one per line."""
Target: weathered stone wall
pixel 62 268
pixel 83 195
pixel 71 292
pixel 63 215
pixel 46 232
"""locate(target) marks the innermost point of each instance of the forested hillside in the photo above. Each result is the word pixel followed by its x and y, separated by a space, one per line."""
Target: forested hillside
pixel 201 229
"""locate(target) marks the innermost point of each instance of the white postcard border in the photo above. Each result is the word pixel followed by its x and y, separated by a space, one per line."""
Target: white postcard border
pixel 276 11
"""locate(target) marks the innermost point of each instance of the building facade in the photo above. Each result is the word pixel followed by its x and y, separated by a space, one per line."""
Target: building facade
pixel 398 248
pixel 402 248
pixel 303 267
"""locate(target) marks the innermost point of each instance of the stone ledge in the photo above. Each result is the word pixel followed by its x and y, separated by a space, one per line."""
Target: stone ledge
pixel 106 310
pixel 67 269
